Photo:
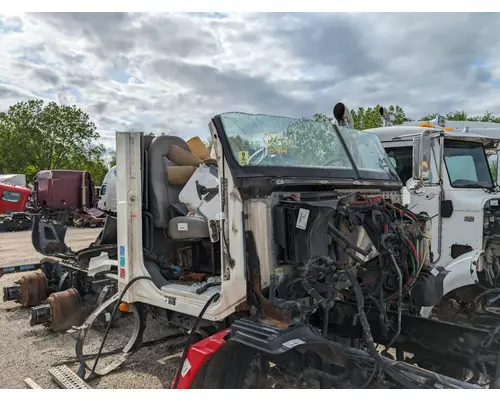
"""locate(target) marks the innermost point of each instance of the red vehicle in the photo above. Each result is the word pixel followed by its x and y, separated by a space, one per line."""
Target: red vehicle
pixel 67 196
pixel 13 198
pixel 13 201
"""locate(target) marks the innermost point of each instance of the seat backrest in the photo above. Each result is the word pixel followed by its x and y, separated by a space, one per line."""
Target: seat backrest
pixel 162 194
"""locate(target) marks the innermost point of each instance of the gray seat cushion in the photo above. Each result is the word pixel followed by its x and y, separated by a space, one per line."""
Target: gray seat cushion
pixel 161 193
pixel 188 228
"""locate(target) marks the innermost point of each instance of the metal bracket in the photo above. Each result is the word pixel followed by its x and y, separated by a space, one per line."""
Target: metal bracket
pixel 100 263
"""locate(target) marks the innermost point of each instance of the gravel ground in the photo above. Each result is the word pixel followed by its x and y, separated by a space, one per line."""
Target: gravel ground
pixel 28 352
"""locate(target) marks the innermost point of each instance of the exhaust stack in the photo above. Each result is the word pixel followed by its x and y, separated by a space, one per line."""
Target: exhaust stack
pixel 385 116
pixel 343 116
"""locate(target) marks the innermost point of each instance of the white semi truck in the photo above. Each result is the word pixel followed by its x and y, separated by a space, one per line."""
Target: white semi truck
pixel 446 174
pixel 107 193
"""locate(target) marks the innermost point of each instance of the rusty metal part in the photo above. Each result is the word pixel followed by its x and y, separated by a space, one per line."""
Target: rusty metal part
pixel 273 317
pixel 33 289
pixel 61 311
pixel 194 276
pixel 66 309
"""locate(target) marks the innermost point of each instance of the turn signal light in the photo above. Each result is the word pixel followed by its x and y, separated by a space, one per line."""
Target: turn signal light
pixel 124 307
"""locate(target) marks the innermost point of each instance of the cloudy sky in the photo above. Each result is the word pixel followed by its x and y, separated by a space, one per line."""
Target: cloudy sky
pixel 172 72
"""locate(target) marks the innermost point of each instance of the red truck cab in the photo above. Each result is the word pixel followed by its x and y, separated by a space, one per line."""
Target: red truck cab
pixel 13 198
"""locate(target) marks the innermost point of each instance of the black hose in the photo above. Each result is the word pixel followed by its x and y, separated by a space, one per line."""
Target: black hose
pixel 191 334
pixel 398 377
pixel 117 350
pixel 348 250
pixel 338 234
pixel 396 335
pixel 127 286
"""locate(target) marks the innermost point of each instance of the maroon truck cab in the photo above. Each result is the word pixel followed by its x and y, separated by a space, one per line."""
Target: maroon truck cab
pixel 64 190
pixel 13 198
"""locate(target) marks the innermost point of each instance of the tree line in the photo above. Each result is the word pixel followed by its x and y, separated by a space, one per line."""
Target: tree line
pixel 35 136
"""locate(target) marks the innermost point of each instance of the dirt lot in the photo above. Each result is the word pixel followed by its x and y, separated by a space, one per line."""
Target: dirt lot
pixel 27 351
pixel 16 248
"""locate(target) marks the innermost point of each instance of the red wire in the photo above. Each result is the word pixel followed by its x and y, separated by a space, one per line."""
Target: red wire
pixel 413 249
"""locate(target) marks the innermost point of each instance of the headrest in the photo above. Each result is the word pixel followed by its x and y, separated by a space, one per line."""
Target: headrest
pixel 182 157
pixel 198 148
pixel 179 175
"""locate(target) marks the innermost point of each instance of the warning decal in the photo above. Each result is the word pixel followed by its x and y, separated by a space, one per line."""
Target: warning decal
pixel 243 157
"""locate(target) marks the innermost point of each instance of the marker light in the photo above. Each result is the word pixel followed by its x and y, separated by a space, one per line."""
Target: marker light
pixel 426 125
pixel 124 307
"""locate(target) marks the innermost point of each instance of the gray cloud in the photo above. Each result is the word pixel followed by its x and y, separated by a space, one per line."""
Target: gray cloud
pixel 172 72
pixel 46 75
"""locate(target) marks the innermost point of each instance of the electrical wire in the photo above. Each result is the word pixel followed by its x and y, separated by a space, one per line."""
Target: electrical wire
pixel 191 334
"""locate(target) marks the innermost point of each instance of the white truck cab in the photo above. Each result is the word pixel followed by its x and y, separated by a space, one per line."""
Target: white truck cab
pixel 446 174
pixel 107 193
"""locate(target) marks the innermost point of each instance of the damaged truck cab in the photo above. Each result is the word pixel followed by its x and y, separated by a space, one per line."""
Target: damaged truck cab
pixel 265 165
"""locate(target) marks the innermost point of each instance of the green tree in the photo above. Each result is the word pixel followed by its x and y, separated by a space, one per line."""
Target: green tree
pixel 397 115
pixel 428 117
pixel 463 116
pixel 367 118
pixel 35 136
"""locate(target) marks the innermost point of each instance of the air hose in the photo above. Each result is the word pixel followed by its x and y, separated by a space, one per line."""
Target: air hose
pixel 190 337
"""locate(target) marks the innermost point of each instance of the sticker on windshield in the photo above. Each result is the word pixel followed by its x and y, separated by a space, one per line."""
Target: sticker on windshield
pixel 276 144
pixel 302 219
pixel 243 157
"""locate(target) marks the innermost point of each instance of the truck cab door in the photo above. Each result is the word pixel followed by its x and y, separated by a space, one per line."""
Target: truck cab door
pixel 424 188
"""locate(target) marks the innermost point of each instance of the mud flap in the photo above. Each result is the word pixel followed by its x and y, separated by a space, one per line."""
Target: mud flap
pixel 48 237
pixel 273 340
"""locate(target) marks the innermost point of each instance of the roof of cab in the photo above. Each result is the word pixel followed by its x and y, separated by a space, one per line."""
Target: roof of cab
pixel 394 133
pixel 16 188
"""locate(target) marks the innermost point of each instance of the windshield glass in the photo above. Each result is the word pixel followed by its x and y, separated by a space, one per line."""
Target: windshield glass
pixel 467 164
pixel 270 141
pixel 368 152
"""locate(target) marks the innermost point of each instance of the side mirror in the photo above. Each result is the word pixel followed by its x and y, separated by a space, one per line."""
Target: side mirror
pixel 343 116
pixel 417 159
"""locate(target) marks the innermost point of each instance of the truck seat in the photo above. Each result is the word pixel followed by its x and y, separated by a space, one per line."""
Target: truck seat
pixel 170 155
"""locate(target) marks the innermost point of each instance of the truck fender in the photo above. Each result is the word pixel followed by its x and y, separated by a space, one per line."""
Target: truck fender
pixel 197 356
pixel 461 272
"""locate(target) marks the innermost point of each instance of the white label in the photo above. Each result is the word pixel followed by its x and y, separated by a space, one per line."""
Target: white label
pixel 292 343
pixel 302 219
pixel 107 316
pixel 434 272
pixel 185 368
pixel 182 226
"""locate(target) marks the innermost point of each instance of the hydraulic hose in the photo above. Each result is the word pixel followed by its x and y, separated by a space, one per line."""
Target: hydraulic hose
pixel 191 334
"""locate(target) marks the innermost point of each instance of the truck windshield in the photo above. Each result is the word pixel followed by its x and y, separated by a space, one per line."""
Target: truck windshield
pixel 271 141
pixel 467 164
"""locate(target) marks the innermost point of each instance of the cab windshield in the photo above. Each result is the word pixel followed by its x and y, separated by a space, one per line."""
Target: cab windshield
pixel 271 141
